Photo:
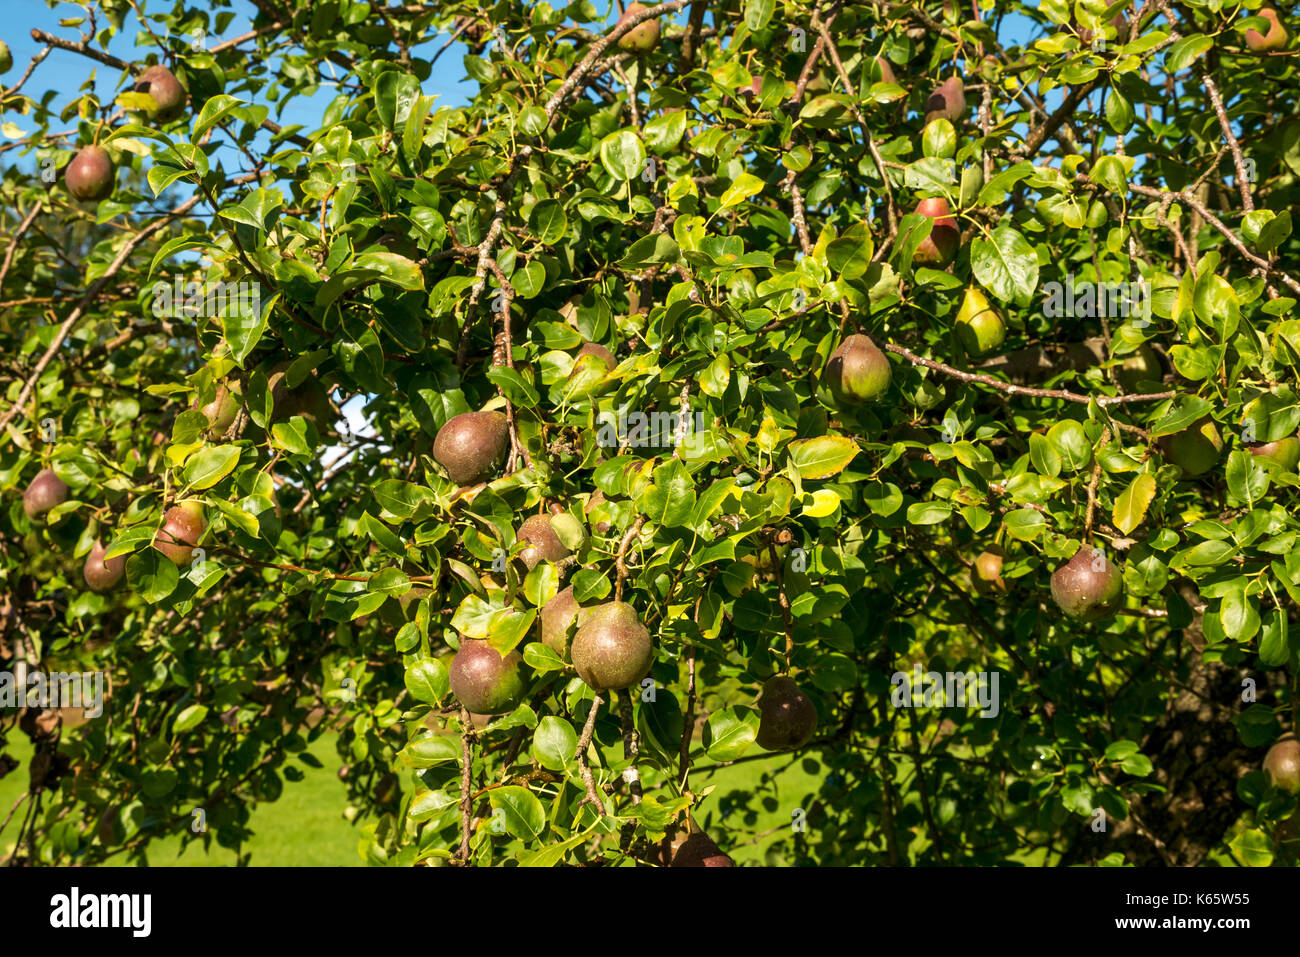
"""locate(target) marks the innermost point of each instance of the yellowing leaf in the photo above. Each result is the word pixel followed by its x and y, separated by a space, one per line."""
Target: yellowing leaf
pixel 823 456
pixel 822 502
pixel 1131 506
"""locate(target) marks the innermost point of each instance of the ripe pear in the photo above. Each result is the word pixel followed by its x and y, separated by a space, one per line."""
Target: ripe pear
pixel 857 371
pixel 183 527
pixel 558 618
pixel 987 575
pixel 940 247
pixel 886 70
pixel 484 681
pixel 1285 452
pixel 221 412
pixel 1088 586
pixel 948 101
pixel 91 175
pixel 700 850
pixel 1274 39
pixel 6 58
pixel 1196 449
pixel 787 717
pixel 472 445
pixel 1282 764
pixel 103 575
pixel 46 491
pixel 642 38
pixel 979 326
pixel 166 92
pixel 543 543
pixel 597 350
pixel 1141 365
pixel 611 648
pixel 309 399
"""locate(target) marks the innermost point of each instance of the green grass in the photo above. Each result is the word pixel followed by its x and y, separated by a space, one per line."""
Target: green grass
pixel 304 828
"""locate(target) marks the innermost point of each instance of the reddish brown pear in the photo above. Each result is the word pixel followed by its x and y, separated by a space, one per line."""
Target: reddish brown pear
pixel 183 528
pixel 787 717
pixel 940 247
pixel 91 175
pixel 700 850
pixel 484 681
pixel 165 90
pixel 542 542
pixel 1088 586
pixel 1285 452
pixel 1282 764
pixel 948 101
pixel 559 616
pixel 46 491
pixel 1274 39
pixel 611 649
pixel 103 575
pixel 472 446
pixel 597 350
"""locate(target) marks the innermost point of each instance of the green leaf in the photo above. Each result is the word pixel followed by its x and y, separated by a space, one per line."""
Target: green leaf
pixel 524 815
pixel 1007 266
pixel 730 732
pixel 427 680
pixel 191 717
pixel 210 466
pixel 554 743
pixel 622 154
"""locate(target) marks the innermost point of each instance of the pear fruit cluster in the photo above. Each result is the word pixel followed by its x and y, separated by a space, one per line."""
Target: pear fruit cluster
pixel 1088 587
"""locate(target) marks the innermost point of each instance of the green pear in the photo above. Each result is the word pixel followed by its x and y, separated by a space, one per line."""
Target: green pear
pixel 642 38
pixel 979 326
pixel 857 371
pixel 1195 450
